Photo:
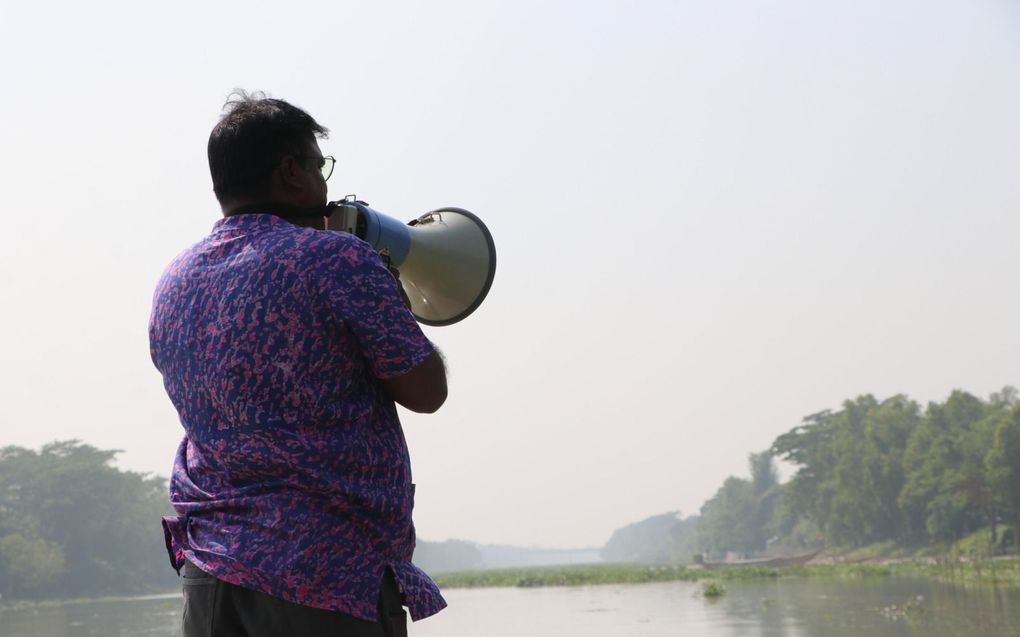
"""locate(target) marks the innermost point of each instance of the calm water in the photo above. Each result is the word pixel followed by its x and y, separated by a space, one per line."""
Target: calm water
pixel 789 607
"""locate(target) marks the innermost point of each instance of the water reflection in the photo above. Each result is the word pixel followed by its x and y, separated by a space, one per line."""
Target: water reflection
pixel 155 616
pixel 873 607
pixel 884 607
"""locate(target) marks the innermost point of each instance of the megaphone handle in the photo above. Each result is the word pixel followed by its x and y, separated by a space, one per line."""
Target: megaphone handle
pixel 428 217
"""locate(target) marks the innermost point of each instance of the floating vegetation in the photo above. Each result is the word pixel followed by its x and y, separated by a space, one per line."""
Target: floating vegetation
pixel 582 575
pixel 911 609
pixel 986 572
pixel 843 570
pixel 590 574
pixel 712 590
pixel 994 572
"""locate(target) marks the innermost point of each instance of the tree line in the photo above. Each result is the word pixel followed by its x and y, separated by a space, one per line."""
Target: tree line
pixel 880 471
pixel 873 471
pixel 72 524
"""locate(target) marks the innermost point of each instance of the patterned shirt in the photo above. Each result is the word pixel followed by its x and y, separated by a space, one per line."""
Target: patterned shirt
pixel 293 476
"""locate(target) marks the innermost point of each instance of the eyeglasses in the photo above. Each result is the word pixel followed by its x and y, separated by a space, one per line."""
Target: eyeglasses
pixel 326 164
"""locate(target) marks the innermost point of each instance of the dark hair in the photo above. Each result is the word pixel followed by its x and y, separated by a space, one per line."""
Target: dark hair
pixel 255 133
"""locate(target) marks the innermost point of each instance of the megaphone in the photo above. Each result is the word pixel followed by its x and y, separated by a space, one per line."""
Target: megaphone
pixel 446 257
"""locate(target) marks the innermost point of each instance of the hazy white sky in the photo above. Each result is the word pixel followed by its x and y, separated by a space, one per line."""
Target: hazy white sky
pixel 712 219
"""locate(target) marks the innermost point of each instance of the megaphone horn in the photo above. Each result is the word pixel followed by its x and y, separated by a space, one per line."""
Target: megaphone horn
pixel 446 257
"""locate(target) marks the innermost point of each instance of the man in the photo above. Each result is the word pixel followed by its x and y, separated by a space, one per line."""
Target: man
pixel 283 347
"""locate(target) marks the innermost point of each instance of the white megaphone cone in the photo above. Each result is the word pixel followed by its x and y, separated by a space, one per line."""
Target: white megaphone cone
pixel 446 257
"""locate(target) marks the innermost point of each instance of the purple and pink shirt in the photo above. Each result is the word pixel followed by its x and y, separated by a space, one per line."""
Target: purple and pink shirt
pixel 293 477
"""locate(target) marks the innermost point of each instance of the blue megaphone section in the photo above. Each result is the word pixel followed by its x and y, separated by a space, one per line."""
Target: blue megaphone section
pixel 387 235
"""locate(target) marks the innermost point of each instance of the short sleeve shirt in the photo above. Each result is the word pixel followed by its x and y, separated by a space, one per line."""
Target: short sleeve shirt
pixel 293 476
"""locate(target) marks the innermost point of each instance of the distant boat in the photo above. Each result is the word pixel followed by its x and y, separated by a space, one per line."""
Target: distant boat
pixel 767 562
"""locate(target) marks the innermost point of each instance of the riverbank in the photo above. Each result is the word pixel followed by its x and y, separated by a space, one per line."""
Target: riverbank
pixel 998 572
pixel 994 572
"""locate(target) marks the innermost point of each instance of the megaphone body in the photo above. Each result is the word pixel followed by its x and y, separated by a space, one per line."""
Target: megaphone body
pixel 446 257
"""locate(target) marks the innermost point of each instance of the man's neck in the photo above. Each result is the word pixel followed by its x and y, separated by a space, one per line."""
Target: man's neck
pixel 303 217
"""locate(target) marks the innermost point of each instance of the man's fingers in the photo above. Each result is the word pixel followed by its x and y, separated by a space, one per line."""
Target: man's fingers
pixel 400 286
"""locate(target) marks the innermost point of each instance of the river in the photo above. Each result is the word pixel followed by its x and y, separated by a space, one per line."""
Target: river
pixel 872 607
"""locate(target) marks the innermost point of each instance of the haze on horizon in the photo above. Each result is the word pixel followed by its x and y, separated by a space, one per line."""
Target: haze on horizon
pixel 712 219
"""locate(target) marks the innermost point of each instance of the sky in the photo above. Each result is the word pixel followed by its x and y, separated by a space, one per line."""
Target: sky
pixel 712 219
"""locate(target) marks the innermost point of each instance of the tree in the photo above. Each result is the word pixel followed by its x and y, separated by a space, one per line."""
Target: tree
pixel 849 470
pixel 738 517
pixel 765 488
pixel 664 538
pixel 941 467
pixel 28 563
pixel 809 447
pixel 1003 465
pixel 726 518
pixel 95 526
pixel 887 428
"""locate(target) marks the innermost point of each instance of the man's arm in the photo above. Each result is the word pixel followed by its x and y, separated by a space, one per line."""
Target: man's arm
pixel 369 298
pixel 423 389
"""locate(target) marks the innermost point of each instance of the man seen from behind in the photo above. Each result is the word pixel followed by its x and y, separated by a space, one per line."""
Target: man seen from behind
pixel 283 347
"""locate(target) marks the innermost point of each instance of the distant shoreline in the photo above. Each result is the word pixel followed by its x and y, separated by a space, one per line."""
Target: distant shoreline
pixel 22 604
pixel 1003 571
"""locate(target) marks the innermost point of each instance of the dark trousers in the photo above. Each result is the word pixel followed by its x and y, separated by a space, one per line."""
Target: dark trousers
pixel 214 608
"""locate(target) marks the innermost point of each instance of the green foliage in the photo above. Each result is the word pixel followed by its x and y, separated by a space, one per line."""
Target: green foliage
pixel 590 574
pixel 879 472
pixel 853 571
pixel 712 590
pixel 28 563
pixel 999 572
pixel 738 517
pixel 850 469
pixel 71 524
pixel 660 539
pixel 1005 573
pixel 684 540
pixel 566 576
pixel 1003 465
pixel 947 494
pixel 726 518
pixel 874 552
pixel 983 543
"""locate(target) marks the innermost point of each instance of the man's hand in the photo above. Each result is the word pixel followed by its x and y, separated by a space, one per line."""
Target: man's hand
pixel 423 389
pixel 400 286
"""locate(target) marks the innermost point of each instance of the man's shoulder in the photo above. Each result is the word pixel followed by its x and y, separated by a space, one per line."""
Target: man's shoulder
pixel 331 240
pixel 334 249
pixel 323 252
pixel 181 261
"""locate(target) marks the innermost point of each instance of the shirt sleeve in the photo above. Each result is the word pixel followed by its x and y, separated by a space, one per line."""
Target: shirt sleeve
pixel 363 294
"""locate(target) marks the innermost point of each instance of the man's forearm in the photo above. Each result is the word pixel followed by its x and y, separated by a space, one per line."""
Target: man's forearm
pixel 423 389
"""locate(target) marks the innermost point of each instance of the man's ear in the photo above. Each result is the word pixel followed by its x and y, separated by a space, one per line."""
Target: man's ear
pixel 288 170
